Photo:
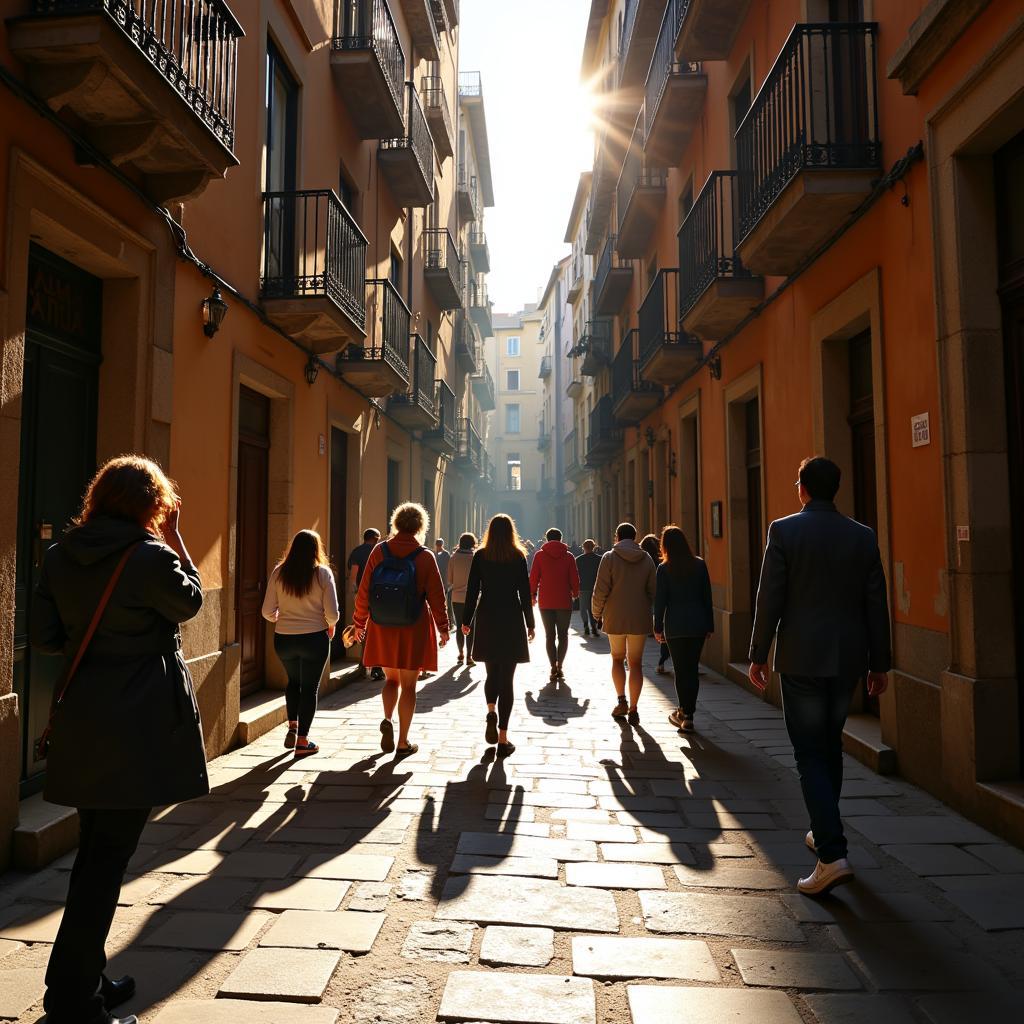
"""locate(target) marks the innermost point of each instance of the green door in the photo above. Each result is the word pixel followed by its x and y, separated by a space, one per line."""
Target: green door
pixel 58 457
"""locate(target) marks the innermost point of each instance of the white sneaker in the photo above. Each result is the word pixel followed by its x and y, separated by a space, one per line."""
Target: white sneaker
pixel 825 877
pixel 809 840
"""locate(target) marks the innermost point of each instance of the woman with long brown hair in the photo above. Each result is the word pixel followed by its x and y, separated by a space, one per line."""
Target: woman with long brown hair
pixel 499 612
pixel 302 602
pixel 124 734
pixel 683 617
pixel 652 546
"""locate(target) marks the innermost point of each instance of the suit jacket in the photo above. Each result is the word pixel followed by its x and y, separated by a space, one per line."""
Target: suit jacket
pixel 823 589
pixel 498 607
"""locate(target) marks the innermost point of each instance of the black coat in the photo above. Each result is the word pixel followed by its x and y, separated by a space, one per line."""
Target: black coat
pixel 503 612
pixel 822 587
pixel 127 734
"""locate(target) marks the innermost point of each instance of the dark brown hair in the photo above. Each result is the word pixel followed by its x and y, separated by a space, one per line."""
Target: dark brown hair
pixel 652 547
pixel 129 487
pixel 501 541
pixel 298 567
pixel 820 478
pixel 679 556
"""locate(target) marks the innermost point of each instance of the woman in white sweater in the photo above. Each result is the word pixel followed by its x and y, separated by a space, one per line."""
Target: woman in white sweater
pixel 302 602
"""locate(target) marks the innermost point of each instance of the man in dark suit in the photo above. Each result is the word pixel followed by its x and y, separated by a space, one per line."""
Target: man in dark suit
pixel 823 589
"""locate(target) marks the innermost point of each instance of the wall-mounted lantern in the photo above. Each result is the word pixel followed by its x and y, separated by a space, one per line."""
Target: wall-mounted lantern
pixel 311 370
pixel 214 311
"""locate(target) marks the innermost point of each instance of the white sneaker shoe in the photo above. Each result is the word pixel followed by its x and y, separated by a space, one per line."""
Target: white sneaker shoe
pixel 809 840
pixel 825 877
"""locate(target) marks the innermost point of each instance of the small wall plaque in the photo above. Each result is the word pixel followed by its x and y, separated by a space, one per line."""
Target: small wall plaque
pixel 920 430
pixel 322 445
pixel 716 519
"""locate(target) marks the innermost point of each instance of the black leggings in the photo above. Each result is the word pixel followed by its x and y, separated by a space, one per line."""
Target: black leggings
pixel 498 689
pixel 556 632
pixel 686 661
pixel 304 656
pixel 462 641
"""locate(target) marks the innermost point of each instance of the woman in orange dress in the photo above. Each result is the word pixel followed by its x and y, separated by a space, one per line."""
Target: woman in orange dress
pixel 403 651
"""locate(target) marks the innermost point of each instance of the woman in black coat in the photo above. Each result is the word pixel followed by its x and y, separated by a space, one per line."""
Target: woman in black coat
pixel 501 619
pixel 126 736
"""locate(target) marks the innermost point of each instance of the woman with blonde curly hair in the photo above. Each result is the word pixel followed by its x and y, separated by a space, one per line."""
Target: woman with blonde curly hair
pixel 124 733
pixel 401 608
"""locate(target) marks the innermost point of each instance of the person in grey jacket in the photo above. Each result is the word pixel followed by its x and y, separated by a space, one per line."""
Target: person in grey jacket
pixel 126 737
pixel 822 599
pixel 587 565
pixel 683 618
pixel 623 596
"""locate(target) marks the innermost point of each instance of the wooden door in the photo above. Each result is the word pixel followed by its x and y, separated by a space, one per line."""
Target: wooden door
pixel 339 526
pixel 58 457
pixel 862 431
pixel 755 539
pixel 251 555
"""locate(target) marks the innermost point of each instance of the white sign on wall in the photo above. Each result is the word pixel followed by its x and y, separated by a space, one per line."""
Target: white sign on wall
pixel 920 430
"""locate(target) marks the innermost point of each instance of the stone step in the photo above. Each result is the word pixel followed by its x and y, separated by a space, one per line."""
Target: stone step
pixel 44 833
pixel 862 739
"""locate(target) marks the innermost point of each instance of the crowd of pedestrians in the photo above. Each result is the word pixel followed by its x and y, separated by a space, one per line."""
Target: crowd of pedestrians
pixel 115 588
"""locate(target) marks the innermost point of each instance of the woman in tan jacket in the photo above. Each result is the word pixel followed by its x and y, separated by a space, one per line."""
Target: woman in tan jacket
pixel 458 576
pixel 622 602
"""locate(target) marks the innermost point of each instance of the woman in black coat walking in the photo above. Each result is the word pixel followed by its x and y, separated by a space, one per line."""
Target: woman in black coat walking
pixel 125 734
pixel 499 611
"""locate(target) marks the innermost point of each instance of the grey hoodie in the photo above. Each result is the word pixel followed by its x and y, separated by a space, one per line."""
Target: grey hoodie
pixel 624 591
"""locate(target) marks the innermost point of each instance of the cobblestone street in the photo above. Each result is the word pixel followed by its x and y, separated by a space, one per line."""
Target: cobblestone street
pixel 602 874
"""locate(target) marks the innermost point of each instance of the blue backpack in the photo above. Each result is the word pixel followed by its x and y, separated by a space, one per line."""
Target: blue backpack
pixel 395 599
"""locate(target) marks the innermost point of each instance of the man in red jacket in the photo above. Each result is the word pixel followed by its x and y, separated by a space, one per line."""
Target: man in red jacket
pixel 555 584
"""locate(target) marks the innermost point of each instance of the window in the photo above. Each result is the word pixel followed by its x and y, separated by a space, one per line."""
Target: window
pixel 282 123
pixel 511 380
pixel 512 346
pixel 686 201
pixel 739 104
pixel 395 270
pixel 394 484
pixel 347 191
pixel 512 419
pixel 514 474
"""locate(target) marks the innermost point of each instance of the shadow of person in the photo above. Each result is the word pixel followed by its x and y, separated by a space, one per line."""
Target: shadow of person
pixel 555 704
pixel 439 690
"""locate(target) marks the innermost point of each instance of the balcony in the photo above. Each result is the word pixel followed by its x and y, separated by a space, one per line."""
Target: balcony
pixel 545 368
pixel 380 366
pixel 479 251
pixel 452 9
pixel 465 345
pixel 808 150
pixel 574 388
pixel 602 192
pixel 575 289
pixel 369 67
pixel 632 396
pixel 483 385
pixel 604 442
pixel 416 408
pixel 716 292
pixel 640 22
pixel 480 308
pixel 467 195
pixel 596 347
pixel 313 281
pixel 639 196
pixel 487 473
pixel 707 28
pixel 420 18
pixel 469 452
pixel 407 162
pixel 575 470
pixel 673 98
pixel 442 268
pixel 612 279
pixel 442 438
pixel 543 439
pixel 439 118
pixel 151 86
pixel 667 355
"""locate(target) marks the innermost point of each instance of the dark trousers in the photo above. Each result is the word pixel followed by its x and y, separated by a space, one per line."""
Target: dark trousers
pixel 556 632
pixel 685 651
pixel 664 654
pixel 458 607
pixel 107 840
pixel 589 622
pixel 815 709
pixel 498 689
pixel 304 656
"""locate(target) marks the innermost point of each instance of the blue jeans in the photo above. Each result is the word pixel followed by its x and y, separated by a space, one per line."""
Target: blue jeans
pixel 304 656
pixel 815 709
pixel 585 614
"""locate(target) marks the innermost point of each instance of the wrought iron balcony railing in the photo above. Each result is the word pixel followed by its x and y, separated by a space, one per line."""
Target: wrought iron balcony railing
pixel 369 25
pixel 388 338
pixel 658 315
pixel 664 65
pixel 442 267
pixel 414 189
pixel 818 108
pixel 626 378
pixel 605 436
pixel 470 83
pixel 470 447
pixel 595 347
pixel 423 367
pixel 435 102
pixel 444 436
pixel 483 384
pixel 545 368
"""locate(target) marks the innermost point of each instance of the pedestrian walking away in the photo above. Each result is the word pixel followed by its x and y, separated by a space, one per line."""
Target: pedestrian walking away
pixel 499 611
pixel 652 546
pixel 302 602
pixel 622 602
pixel 586 568
pixel 683 618
pixel 356 566
pixel 444 557
pixel 554 585
pixel 822 599
pixel 124 734
pixel 459 565
pixel 402 614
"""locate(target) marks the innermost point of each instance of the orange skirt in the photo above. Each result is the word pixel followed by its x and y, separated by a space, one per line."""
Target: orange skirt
pixel 406 647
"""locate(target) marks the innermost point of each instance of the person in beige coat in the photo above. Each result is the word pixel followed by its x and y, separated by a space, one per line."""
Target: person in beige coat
pixel 459 565
pixel 622 602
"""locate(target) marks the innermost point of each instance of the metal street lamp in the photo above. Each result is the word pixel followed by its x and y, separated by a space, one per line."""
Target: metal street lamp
pixel 214 311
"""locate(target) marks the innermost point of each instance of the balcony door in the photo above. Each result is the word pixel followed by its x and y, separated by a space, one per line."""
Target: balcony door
pixel 281 159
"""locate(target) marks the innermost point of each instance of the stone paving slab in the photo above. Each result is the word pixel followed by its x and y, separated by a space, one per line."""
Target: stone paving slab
pixel 488 900
pixel 730 877
pixel 8 946
pixel 38 925
pixel 442 942
pixel 201 930
pixel 649 853
pixel 517 998
pixel 860 1009
pixel 200 892
pixel 528 867
pixel 775 968
pixel 290 975
pixel 1001 856
pixel 616 876
pixel 597 833
pixel 937 828
pixel 19 989
pixel 957 1009
pixel 552 800
pixel 301 894
pixel 937 859
pixel 995 909
pixel 347 930
pixel 758 917
pixel 669 959
pixel 524 947
pixel 660 1004
pixel 354 867
pixel 232 1011
pixel 492 845
pixel 856 903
